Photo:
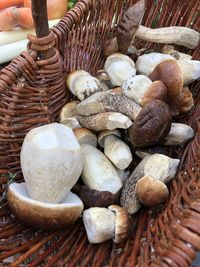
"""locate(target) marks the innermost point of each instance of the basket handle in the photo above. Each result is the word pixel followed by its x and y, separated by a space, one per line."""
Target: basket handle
pixel 40 18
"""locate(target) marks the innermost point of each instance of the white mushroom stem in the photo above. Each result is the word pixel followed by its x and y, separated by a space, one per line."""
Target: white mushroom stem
pixel 99 224
pixel 68 110
pixel 72 122
pixel 179 134
pixel 85 136
pixel 98 172
pixel 117 151
pixel 105 121
pixel 190 70
pixel 107 102
pixel 170 35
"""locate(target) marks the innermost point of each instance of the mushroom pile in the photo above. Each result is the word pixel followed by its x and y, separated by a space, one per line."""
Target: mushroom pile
pixel 125 112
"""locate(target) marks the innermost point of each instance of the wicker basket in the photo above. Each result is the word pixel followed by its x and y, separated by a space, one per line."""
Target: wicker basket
pixel 32 91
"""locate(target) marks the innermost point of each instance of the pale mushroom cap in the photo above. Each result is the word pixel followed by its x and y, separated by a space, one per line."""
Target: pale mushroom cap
pixel 43 215
pixel 146 63
pixel 151 192
pixel 85 136
pixel 51 162
pixel 122 223
pixel 68 110
pixel 190 70
pixel 136 86
pixel 72 78
pixel 99 224
pixel 103 134
pixel 118 57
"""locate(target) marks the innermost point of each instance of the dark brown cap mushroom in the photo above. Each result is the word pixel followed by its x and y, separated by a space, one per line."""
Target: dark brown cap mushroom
pixel 170 74
pixel 151 125
pixel 129 24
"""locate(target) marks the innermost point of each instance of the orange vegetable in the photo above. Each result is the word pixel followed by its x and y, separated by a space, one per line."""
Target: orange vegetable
pixel 56 8
pixel 13 16
pixel 8 3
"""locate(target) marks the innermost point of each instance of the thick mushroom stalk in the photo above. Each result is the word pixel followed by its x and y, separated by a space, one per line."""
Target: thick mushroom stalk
pixel 151 123
pixel 142 90
pixel 158 166
pixel 115 149
pixel 98 172
pixel 129 27
pixel 85 136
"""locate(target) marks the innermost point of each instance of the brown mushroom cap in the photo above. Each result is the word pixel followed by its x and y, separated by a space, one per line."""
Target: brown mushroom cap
pixel 85 136
pixel 43 215
pixel 151 125
pixel 128 25
pixel 103 134
pixel 182 103
pixel 157 90
pixel 151 192
pixel 122 223
pixel 170 74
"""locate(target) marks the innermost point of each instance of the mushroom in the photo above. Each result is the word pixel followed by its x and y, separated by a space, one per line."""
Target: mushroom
pixel 169 50
pixel 72 123
pixel 93 197
pixel 142 90
pixel 190 70
pixel 105 121
pixel 171 75
pixel 68 110
pixel 146 63
pixel 179 134
pixel 158 166
pixel 82 84
pixel 151 123
pixel 40 214
pixel 119 68
pixel 102 76
pixel 51 162
pixel 151 192
pixel 85 136
pixel 182 103
pixel 115 149
pixel 129 27
pixel 102 224
pixel 98 172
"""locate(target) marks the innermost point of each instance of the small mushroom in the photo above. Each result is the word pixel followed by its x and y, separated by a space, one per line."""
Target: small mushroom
pixel 142 90
pixel 82 84
pixel 158 166
pixel 179 134
pixel 190 70
pixel 146 63
pixel 85 136
pixel 119 68
pixel 102 224
pixel 169 50
pixel 129 27
pixel 98 172
pixel 151 123
pixel 171 75
pixel 115 149
pixel 105 121
pixel 68 110
pixel 151 192
pixel 182 103
pixel 72 123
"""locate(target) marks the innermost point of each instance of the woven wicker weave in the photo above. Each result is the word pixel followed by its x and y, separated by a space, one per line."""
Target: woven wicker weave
pixel 32 92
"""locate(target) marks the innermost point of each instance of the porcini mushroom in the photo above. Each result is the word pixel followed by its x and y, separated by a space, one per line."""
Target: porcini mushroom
pixel 158 166
pixel 51 162
pixel 190 70
pixel 141 89
pixel 130 26
pixel 115 149
pixel 105 121
pixel 85 136
pixel 68 110
pixel 98 172
pixel 40 214
pixel 151 192
pixel 82 84
pixel 171 75
pixel 71 122
pixel 151 123
pixel 119 68
pixel 102 224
